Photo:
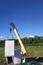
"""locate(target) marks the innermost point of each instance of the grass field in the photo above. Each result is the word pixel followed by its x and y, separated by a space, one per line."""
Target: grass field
pixel 32 51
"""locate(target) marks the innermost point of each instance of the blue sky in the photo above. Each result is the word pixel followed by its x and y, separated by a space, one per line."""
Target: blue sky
pixel 27 16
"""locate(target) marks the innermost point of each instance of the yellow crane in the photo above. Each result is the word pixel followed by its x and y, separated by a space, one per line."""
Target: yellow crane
pixel 19 39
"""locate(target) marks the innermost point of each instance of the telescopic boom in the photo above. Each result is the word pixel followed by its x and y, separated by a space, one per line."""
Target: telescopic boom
pixel 19 39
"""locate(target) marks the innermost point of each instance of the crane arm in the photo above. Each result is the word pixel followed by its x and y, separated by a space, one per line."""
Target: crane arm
pixel 19 39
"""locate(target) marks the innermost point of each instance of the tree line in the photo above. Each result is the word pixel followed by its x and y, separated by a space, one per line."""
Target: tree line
pixel 33 41
pixel 37 40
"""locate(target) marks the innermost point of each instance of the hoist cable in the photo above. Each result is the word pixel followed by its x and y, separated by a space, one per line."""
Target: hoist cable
pixel 10 34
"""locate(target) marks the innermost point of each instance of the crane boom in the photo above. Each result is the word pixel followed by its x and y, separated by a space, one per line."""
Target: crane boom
pixel 19 39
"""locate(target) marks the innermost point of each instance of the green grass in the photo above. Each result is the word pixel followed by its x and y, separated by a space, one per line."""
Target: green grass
pixel 2 58
pixel 32 51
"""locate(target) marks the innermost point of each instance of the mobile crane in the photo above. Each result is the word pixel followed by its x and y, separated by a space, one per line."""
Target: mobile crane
pixel 23 50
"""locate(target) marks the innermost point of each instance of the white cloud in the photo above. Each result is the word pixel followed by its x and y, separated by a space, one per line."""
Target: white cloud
pixel 2 37
pixel 31 36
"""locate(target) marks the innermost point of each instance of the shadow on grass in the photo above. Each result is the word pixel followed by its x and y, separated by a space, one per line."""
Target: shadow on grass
pixel 40 59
